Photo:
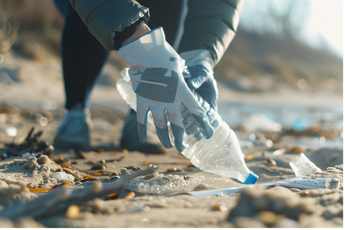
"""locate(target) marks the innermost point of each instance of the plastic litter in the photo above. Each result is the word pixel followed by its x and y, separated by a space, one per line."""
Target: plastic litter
pixel 163 184
pixel 295 182
pixel 221 154
pixel 301 165
pixel 10 131
pixel 260 122
pixel 62 176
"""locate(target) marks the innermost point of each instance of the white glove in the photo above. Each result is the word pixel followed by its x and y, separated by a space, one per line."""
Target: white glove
pixel 156 76
pixel 200 66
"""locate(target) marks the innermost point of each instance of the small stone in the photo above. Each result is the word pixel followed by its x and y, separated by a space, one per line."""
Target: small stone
pixel 43 160
pixel 202 185
pixel 114 174
pixel 72 211
pixel 144 221
pixel 137 169
pixel 267 217
pixel 123 171
pixel 98 167
pixel 97 187
pixel 304 193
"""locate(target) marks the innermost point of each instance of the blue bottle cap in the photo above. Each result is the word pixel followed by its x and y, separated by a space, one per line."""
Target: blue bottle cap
pixel 251 179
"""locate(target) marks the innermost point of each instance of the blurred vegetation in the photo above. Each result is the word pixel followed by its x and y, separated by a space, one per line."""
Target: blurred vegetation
pixel 256 60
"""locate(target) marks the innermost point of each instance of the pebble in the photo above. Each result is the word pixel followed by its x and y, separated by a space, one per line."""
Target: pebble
pixel 137 169
pixel 98 167
pixel 72 211
pixel 295 189
pixel 97 187
pixel 267 217
pixel 202 185
pixel 304 193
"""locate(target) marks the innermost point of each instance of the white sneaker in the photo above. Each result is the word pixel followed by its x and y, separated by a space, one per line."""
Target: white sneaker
pixel 75 130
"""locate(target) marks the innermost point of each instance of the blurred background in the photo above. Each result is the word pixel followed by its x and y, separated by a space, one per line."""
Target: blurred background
pixel 286 62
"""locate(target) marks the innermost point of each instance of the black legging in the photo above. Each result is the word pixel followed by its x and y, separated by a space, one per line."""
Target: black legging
pixel 83 56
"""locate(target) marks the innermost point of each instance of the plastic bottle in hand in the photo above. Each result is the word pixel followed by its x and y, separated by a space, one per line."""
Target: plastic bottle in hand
pixel 221 154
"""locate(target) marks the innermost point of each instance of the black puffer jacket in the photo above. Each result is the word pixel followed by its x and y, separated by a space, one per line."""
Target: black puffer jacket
pixel 210 24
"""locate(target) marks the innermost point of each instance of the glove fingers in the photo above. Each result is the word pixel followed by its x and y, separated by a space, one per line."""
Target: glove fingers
pixel 199 114
pixel 177 129
pixel 204 124
pixel 162 128
pixel 195 82
pixel 142 124
pixel 209 92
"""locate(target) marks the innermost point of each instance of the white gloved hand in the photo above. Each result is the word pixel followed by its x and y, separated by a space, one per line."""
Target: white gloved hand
pixel 200 66
pixel 157 79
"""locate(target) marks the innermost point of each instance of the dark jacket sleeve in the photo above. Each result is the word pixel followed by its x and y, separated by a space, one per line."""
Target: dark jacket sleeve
pixel 105 18
pixel 211 25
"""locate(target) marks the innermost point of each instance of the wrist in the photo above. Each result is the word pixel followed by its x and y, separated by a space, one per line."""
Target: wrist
pixel 143 29
pixel 198 57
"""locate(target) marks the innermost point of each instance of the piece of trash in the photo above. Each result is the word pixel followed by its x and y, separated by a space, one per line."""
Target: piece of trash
pixel 156 183
pixel 167 163
pixel 40 189
pixel 260 122
pixel 296 149
pixel 89 178
pixel 130 195
pixel 295 182
pixel 250 157
pixel 271 163
pixel 301 165
pixel 65 165
pixel 279 152
pixel 175 170
pixel 221 208
pixel 80 154
pixel 32 144
pixel 62 176
pixel 10 131
pixel 113 196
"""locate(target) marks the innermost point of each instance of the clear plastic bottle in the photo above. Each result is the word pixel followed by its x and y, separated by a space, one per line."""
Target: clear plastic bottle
pixel 221 154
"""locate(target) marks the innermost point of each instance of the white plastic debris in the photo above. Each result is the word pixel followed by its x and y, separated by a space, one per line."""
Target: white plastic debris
pixel 302 182
pixel 62 176
pixel 163 184
pixel 11 131
pixel 260 122
pixel 301 166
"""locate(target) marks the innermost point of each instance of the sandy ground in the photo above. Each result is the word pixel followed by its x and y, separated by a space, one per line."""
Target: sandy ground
pixel 184 211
